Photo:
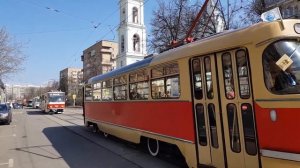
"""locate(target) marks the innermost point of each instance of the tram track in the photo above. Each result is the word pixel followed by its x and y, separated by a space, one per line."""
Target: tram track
pixel 80 131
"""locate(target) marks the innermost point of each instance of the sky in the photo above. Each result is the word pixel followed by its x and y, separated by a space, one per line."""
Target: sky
pixel 54 33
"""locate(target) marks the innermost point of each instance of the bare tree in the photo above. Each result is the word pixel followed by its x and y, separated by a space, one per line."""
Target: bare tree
pixel 10 55
pixel 253 11
pixel 172 20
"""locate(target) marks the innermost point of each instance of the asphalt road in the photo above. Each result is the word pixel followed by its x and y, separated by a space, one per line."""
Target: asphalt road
pixel 38 140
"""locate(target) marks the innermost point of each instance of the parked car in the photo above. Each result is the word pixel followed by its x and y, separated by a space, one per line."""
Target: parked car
pixel 29 103
pixel 5 114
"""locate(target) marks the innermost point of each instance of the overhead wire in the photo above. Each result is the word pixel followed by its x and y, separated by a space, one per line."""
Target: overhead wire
pixel 46 7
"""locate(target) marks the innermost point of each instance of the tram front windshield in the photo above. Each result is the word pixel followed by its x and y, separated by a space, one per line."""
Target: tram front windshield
pixel 281 61
pixel 56 97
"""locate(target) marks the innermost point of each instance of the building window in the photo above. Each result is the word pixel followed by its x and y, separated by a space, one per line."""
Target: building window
pixel 93 53
pixel 135 15
pixel 136 43
pixel 122 43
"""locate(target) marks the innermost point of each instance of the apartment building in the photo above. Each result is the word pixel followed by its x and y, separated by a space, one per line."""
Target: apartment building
pixel 70 80
pixel 99 59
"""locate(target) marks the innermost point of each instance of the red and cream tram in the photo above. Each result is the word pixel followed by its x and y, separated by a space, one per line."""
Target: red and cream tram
pixel 230 100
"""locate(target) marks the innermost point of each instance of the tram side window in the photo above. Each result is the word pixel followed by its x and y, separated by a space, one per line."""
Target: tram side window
pixel 120 92
pixel 139 91
pixel 213 125
pixel 165 88
pixel 242 65
pixel 168 85
pixel 233 126
pixel 201 124
pixel 249 129
pixel 88 93
pixel 139 85
pixel 97 91
pixel 158 88
pixel 198 91
pixel 281 62
pixel 120 88
pixel 209 82
pixel 107 91
pixel 228 76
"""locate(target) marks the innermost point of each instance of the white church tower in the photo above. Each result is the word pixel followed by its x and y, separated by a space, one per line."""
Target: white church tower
pixel 132 32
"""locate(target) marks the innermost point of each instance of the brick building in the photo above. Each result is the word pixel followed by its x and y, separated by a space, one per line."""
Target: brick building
pixel 99 59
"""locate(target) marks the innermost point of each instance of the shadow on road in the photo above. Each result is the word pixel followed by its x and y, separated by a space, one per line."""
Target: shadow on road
pixel 37 112
pixel 82 148
pixel 79 151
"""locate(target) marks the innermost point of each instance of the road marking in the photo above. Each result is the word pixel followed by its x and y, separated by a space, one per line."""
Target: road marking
pixel 13 135
pixel 10 163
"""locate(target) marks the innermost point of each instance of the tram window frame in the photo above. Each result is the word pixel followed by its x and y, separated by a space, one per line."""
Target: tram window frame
pixel 139 85
pixel 197 78
pixel 209 86
pixel 235 139
pixel 97 91
pixel 244 85
pixel 88 92
pixel 248 121
pixel 107 90
pixel 229 87
pixel 120 88
pixel 165 73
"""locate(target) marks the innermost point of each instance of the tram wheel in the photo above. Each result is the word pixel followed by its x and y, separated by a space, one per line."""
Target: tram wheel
pixel 153 147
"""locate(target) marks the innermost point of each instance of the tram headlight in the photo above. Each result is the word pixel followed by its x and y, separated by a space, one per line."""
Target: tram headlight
pixel 297 28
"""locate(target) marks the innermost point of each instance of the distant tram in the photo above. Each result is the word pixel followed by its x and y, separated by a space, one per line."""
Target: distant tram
pixel 53 102
pixel 230 100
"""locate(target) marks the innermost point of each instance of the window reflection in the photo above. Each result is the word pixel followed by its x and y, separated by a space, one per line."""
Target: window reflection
pixel 281 61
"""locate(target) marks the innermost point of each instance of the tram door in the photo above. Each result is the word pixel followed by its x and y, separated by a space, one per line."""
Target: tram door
pixel 237 109
pixel 207 111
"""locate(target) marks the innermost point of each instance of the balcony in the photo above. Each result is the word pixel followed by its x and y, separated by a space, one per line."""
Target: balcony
pixel 106 50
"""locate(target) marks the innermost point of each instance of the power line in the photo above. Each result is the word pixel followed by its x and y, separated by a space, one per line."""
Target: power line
pixel 46 7
pixel 53 31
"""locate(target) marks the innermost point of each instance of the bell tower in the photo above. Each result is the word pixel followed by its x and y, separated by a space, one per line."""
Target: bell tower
pixel 131 32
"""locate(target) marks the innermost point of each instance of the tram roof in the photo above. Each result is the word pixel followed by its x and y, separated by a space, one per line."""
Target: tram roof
pixel 218 42
pixel 137 65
